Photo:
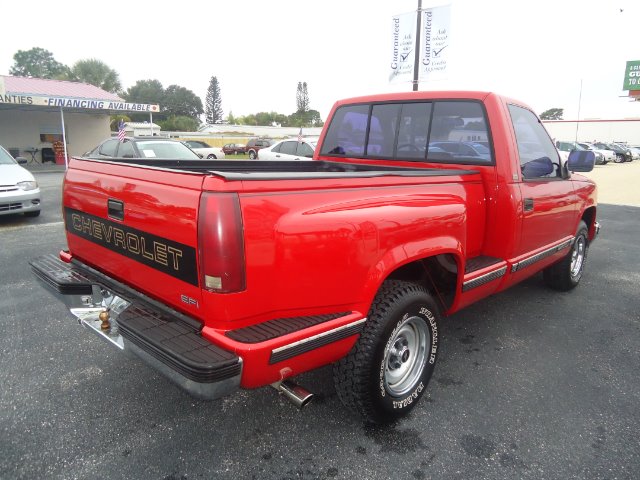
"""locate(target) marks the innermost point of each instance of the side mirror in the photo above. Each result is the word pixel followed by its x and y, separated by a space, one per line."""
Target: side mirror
pixel 581 161
pixel 21 160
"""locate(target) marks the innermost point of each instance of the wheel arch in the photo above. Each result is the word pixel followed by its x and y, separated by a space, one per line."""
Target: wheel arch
pixel 438 270
pixel 589 217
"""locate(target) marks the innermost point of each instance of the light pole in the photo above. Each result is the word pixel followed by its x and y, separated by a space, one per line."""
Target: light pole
pixel 416 61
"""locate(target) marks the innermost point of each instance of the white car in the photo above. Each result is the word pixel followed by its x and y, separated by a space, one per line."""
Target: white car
pixel 609 155
pixel 204 149
pixel 289 149
pixel 565 148
pixel 19 191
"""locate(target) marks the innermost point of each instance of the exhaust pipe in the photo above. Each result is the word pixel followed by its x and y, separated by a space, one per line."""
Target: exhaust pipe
pixel 296 394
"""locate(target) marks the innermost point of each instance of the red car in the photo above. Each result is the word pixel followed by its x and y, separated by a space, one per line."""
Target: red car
pixel 233 148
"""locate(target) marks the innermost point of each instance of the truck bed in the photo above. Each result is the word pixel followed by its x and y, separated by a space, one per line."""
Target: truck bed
pixel 287 170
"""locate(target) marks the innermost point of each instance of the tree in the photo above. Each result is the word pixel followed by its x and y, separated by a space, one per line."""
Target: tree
pixel 147 92
pixel 231 120
pixel 302 97
pixel 180 101
pixel 179 124
pixel 213 102
pixel 552 114
pixel 114 121
pixel 310 118
pixel 38 63
pixel 96 73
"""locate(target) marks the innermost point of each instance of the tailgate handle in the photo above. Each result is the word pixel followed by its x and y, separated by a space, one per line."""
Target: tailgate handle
pixel 115 209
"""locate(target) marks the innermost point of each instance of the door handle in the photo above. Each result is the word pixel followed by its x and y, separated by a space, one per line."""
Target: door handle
pixel 528 204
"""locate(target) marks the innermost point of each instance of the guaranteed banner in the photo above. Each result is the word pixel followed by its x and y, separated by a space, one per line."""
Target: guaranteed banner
pixel 403 33
pixel 435 43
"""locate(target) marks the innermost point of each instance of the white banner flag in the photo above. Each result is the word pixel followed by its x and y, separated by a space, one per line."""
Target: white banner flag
pixel 402 47
pixel 435 39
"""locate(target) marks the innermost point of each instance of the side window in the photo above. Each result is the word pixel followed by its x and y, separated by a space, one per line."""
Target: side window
pixel 109 148
pixel 289 148
pixel 459 133
pixel 539 158
pixel 347 131
pixel 125 150
pixel 304 150
pixel 277 148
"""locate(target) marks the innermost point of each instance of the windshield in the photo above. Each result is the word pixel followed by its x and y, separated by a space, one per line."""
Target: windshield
pixel 5 158
pixel 166 149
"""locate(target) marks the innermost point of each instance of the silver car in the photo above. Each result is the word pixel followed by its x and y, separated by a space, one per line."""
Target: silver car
pixel 19 191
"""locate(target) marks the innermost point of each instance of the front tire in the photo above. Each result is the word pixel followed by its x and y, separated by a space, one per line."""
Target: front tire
pixel 211 156
pixel 388 369
pixel 566 274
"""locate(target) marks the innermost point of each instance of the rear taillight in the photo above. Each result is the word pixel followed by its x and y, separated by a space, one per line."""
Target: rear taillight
pixel 221 243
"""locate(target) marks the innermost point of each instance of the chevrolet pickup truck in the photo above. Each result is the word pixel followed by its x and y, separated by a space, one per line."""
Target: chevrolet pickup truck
pixel 242 274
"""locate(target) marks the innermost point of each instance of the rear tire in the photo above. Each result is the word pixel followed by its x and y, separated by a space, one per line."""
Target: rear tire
pixel 566 274
pixel 211 156
pixel 389 367
pixel 252 154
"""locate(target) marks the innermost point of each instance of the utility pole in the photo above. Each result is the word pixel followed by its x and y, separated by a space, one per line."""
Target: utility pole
pixel 416 62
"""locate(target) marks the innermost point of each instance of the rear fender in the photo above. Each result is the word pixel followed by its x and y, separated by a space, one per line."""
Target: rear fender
pixel 401 256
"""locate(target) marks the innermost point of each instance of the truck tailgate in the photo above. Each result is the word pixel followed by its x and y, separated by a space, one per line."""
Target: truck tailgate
pixel 137 225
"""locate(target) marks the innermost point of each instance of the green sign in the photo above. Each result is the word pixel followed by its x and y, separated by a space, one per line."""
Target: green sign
pixel 632 76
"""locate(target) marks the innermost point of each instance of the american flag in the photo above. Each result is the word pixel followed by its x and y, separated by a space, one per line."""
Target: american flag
pixel 300 135
pixel 121 131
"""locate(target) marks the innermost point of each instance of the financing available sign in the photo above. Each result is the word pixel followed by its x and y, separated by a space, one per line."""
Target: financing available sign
pixel 433 45
pixel 632 76
pixel 75 103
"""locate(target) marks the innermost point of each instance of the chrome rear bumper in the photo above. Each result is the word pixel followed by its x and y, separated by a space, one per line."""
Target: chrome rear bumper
pixel 165 339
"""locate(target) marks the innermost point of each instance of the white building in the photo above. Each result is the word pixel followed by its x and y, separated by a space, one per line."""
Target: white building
pixel 625 130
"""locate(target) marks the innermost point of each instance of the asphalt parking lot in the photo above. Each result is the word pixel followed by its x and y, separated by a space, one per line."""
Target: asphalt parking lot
pixel 530 384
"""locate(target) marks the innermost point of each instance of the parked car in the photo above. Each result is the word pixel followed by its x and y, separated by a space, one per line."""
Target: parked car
pixel 19 191
pixel 635 155
pixel 635 151
pixel 565 148
pixel 255 145
pixel 460 150
pixel 143 147
pixel 233 148
pixel 622 154
pixel 288 150
pixel 204 149
pixel 607 155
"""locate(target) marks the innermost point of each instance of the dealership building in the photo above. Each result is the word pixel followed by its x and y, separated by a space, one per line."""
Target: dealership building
pixel 35 113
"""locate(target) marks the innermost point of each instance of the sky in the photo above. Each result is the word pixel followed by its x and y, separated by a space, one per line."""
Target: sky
pixel 568 54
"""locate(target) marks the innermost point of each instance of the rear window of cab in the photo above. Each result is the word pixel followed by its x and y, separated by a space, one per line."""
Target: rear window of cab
pixel 448 131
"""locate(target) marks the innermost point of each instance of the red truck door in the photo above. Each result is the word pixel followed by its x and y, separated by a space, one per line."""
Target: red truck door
pixel 548 202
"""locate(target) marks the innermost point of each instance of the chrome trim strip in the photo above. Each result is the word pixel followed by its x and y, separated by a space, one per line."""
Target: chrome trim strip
pixel 482 279
pixel 540 256
pixel 306 344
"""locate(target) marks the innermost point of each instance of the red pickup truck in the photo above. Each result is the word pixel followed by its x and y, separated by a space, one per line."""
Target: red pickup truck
pixel 246 273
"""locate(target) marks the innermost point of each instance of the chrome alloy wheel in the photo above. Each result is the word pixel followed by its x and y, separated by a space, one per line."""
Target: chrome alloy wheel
pixel 577 256
pixel 406 356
